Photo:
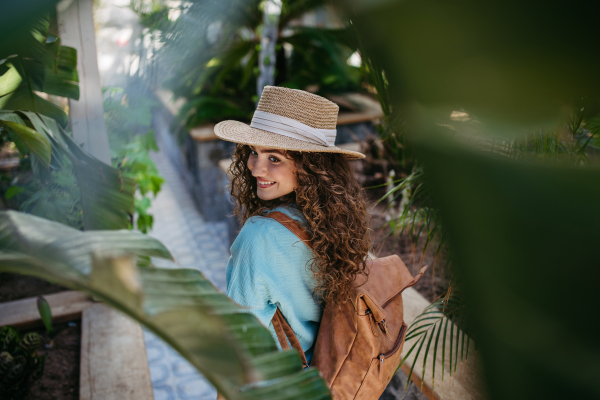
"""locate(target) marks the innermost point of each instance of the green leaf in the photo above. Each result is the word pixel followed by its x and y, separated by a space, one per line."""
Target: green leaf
pixel 45 313
pixel 107 197
pixel 13 191
pixel 9 82
pixel 518 228
pixel 37 143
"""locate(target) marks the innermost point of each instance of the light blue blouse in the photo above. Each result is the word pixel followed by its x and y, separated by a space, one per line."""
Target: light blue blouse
pixel 269 268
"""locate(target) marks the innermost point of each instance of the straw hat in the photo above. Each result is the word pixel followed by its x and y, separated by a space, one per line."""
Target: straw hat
pixel 289 119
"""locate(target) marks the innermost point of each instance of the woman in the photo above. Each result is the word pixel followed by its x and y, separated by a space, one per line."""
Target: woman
pixel 286 161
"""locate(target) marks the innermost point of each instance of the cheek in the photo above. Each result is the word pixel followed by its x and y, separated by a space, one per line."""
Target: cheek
pixel 250 164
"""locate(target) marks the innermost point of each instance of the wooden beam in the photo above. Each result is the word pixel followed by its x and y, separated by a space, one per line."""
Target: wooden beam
pixel 114 364
pixel 23 314
pixel 346 118
pixel 204 133
pixel 86 115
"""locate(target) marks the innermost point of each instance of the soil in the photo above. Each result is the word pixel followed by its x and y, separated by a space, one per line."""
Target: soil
pixel 15 287
pixel 60 380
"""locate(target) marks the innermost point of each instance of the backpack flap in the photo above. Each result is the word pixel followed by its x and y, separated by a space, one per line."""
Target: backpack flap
pixel 388 276
pixel 380 297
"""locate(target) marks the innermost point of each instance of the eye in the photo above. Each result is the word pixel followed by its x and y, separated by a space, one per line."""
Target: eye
pixel 253 152
pixel 274 159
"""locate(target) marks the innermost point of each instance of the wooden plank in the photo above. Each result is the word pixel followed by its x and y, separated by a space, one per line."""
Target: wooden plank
pixel 86 115
pixel 204 133
pixel 23 314
pixel 346 118
pixel 364 108
pixel 114 364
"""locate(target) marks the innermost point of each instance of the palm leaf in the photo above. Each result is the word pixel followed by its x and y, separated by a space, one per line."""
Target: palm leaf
pixel 227 345
pixel 439 315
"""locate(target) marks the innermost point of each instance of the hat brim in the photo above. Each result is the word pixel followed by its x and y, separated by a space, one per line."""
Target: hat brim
pixel 238 132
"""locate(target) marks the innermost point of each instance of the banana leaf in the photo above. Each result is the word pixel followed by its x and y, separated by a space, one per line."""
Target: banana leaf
pixel 38 63
pixel 227 345
pixel 107 197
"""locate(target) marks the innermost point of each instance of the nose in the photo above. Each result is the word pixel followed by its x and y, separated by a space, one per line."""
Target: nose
pixel 259 169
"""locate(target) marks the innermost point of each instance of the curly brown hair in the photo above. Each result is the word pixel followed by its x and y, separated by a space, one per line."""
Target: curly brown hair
pixel 334 206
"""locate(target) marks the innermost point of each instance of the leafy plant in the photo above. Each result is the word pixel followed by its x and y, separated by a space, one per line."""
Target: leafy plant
pixel 420 214
pixel 38 63
pixel 229 346
pixel 127 113
pixel 128 117
pixel 134 161
pixel 20 364
pixel 106 197
pixel 217 75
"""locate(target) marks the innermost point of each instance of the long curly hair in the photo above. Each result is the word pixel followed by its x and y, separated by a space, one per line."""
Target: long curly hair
pixel 334 206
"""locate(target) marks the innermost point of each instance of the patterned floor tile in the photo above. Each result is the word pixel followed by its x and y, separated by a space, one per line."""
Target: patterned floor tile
pixel 194 243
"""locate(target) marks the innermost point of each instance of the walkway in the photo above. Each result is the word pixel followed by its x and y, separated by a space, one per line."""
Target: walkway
pixel 195 244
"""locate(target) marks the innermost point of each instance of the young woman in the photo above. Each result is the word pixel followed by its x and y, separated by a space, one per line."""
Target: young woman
pixel 286 161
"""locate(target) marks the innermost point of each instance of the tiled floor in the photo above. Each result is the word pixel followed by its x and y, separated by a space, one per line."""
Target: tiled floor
pixel 195 244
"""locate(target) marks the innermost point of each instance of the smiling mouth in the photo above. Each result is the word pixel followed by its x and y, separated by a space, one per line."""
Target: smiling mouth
pixel 265 184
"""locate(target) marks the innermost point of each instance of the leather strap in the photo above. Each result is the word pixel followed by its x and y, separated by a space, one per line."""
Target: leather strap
pixel 292 225
pixel 282 328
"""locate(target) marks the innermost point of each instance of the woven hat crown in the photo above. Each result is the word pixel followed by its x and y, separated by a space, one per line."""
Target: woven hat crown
pixel 310 109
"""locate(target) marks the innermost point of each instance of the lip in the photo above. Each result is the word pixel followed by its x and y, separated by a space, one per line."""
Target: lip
pixel 263 186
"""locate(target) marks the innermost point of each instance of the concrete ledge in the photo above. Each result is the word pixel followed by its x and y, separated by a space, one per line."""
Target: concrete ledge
pixel 114 364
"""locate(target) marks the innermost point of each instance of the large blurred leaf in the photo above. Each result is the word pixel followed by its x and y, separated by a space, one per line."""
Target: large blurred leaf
pixel 513 63
pixel 524 239
pixel 230 347
pixel 107 197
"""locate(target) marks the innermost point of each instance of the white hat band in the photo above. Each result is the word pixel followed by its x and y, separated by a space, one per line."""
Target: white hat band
pixel 292 128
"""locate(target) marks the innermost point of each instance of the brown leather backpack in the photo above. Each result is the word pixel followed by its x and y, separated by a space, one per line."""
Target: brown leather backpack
pixel 358 347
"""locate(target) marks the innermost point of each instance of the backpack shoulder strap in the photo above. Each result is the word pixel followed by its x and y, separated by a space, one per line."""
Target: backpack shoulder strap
pixel 291 224
pixel 282 328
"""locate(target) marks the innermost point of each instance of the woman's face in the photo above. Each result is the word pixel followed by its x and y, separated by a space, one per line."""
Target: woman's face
pixel 275 174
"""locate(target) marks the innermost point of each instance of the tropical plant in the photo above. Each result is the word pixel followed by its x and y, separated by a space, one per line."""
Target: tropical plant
pixel 518 211
pixel 217 75
pixel 20 364
pixel 419 215
pixel 127 113
pixel 64 181
pixel 128 117
pixel 134 161
pixel 37 62
pixel 226 344
pixel 105 196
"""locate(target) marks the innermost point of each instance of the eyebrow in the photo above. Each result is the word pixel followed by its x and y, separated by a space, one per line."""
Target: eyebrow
pixel 271 151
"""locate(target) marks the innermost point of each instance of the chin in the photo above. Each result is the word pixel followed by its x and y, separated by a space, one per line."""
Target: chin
pixel 266 197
